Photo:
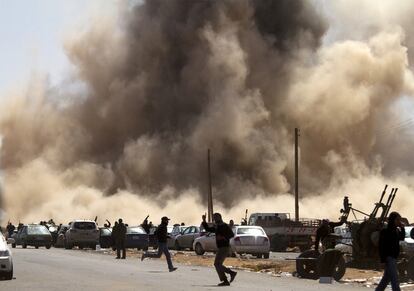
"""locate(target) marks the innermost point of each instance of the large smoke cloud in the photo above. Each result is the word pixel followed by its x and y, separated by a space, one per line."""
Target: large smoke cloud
pixel 169 79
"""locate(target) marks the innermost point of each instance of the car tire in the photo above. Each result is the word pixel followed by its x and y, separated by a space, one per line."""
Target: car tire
pixel 199 250
pixel 308 269
pixel 24 245
pixel 13 246
pixel 36 247
pixel 177 245
pixel 9 275
pixel 48 246
pixel 259 256
pixel 266 255
pixel 339 268
pixel 81 247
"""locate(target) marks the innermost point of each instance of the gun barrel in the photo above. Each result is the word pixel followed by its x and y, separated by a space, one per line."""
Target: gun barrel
pixel 383 193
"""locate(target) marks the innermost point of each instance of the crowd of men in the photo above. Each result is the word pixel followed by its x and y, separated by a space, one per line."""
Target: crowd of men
pixel 389 247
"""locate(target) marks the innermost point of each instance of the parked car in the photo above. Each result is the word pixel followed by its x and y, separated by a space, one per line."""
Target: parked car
pixel 173 232
pixel 247 240
pixel 106 240
pixel 205 243
pixel 6 259
pixel 408 244
pixel 60 240
pixel 33 235
pixel 82 233
pixel 186 239
pixel 136 238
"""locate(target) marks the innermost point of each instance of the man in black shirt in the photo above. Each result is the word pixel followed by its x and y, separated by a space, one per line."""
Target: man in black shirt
pixel 223 235
pixel 324 233
pixel 162 236
pixel 119 232
pixel 389 250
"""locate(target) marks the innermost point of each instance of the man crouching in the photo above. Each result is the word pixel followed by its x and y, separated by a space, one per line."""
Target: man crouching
pixel 223 235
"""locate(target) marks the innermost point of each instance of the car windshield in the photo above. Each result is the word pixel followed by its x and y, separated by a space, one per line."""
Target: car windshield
pixel 250 231
pixel 136 230
pixel 85 225
pixel 170 229
pixel 37 229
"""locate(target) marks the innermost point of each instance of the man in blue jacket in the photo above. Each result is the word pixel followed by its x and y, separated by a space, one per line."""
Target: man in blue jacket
pixel 223 235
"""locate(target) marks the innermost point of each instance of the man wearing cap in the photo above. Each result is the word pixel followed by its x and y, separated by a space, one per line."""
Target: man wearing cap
pixel 162 237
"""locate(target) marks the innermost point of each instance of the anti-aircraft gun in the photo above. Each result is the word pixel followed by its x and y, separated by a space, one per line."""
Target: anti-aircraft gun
pixel 365 233
pixel 365 240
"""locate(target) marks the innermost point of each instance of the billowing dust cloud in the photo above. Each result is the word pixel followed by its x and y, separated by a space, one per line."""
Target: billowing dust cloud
pixel 165 80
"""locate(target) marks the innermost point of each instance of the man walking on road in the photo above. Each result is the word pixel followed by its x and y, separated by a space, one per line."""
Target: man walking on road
pixel 389 250
pixel 223 235
pixel 162 237
pixel 119 232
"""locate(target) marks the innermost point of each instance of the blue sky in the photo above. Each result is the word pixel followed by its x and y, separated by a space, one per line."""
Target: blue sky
pixel 32 33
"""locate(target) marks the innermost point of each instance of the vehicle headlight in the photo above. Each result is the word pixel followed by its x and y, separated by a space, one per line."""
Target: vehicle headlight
pixel 4 253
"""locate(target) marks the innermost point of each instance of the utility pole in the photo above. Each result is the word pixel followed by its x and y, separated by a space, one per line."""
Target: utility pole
pixel 297 174
pixel 210 190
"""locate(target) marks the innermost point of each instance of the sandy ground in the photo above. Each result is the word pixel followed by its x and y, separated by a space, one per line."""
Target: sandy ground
pixel 275 267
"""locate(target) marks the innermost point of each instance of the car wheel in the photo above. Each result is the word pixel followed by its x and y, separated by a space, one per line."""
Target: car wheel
pixel 81 247
pixel 13 246
pixel 177 245
pixel 36 247
pixel 9 275
pixel 325 266
pixel 48 246
pixel 307 268
pixel 199 249
pixel 259 256
pixel 266 256
pixel 24 245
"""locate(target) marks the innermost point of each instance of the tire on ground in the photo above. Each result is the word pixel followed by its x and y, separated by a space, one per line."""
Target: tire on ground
pixel 308 269
pixel 199 249
pixel 332 262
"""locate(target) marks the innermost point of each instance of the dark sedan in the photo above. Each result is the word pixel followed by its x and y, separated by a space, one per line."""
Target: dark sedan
pixel 33 235
pixel 136 238
pixel 105 237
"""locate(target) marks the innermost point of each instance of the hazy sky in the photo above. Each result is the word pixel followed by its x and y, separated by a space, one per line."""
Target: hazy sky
pixel 32 33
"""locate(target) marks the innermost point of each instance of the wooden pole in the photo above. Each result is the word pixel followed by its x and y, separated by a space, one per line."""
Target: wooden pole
pixel 210 190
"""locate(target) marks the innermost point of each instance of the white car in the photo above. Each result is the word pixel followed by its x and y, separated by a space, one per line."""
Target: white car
pixel 6 260
pixel 82 233
pixel 408 244
pixel 247 240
